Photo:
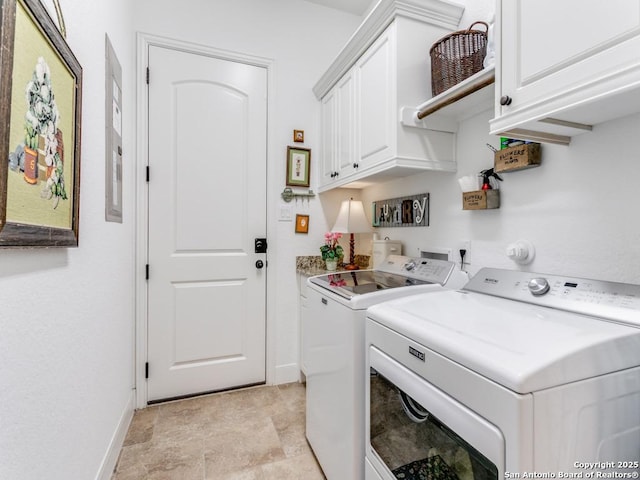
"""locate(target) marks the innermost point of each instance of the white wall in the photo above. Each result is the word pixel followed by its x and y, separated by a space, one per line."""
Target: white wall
pixel 303 39
pixel 579 208
pixel 66 315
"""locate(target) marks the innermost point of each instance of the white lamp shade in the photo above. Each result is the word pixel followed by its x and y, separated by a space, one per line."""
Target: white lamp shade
pixel 351 218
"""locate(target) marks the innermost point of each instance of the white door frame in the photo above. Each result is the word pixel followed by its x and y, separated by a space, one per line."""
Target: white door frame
pixel 145 40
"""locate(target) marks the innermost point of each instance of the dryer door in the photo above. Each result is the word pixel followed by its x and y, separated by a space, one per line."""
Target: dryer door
pixel 417 431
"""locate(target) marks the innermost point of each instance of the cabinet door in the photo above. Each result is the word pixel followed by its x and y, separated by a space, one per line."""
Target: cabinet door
pixel 376 101
pixel 329 139
pixel 302 318
pixel 346 113
pixel 558 56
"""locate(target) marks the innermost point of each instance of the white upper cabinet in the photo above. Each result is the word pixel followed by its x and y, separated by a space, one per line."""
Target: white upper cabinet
pixel 384 67
pixel 346 134
pixel 329 137
pixel 565 66
pixel 338 153
pixel 376 96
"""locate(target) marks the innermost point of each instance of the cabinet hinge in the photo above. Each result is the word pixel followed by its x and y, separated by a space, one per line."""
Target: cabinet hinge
pixel 147 173
pixel 146 370
pixel 147 75
pixel 146 271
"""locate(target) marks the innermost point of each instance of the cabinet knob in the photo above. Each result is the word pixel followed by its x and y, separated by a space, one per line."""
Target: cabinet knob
pixel 355 165
pixel 505 100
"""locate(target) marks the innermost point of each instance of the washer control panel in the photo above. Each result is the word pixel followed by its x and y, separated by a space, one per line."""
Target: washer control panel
pixel 425 269
pixel 609 300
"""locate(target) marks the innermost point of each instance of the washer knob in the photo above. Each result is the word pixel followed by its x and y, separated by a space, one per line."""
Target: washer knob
pixel 410 265
pixel 538 286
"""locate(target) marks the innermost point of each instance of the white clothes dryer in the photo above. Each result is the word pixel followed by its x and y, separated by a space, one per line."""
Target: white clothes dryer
pixel 334 355
pixel 518 375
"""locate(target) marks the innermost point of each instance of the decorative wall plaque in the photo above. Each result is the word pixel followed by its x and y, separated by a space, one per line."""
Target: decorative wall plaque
pixel 409 211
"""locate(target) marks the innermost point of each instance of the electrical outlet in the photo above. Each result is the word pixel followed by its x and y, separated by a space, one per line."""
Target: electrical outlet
pixel 465 246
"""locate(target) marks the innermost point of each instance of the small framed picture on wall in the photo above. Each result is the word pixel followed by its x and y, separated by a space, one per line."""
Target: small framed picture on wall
pixel 298 166
pixel 298 136
pixel 302 223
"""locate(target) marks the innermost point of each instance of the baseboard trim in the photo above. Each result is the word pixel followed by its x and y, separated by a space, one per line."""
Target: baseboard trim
pixel 113 452
pixel 287 373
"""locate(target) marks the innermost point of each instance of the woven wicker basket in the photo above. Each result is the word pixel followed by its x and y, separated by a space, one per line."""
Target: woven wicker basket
pixel 456 57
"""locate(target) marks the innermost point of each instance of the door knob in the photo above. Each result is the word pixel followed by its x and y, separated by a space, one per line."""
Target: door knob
pixel 259 264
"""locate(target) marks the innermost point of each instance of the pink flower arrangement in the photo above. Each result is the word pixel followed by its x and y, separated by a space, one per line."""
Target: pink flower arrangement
pixel 331 249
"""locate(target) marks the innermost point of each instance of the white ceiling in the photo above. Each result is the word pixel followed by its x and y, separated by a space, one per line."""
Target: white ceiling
pixel 357 7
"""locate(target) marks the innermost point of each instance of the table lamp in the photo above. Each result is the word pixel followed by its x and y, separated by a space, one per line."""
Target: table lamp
pixel 351 219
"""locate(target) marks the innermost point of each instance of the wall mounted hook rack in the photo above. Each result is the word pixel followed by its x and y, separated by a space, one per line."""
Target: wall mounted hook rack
pixel 288 194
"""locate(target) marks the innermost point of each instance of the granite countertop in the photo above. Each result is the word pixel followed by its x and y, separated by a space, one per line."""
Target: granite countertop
pixel 314 264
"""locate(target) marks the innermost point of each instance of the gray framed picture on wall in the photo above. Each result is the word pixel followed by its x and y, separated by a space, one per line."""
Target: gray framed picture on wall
pixel 113 135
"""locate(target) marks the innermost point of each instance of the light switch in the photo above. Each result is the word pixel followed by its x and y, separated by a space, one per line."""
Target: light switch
pixel 285 213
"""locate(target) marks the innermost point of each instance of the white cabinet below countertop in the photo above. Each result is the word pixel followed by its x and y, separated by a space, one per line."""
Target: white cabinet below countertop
pixel 564 66
pixel 302 298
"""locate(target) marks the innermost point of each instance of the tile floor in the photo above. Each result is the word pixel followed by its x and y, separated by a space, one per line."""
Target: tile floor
pixel 251 434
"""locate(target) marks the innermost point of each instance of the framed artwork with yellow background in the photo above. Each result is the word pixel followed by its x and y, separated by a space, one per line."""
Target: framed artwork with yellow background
pixel 40 121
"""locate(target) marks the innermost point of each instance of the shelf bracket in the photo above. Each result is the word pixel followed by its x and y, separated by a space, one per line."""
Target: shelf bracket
pixel 288 194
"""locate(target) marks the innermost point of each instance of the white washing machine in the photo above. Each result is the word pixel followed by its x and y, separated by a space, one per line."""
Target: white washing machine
pixel 518 375
pixel 334 354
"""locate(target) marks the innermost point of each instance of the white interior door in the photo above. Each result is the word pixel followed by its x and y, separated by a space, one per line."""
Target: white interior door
pixel 207 204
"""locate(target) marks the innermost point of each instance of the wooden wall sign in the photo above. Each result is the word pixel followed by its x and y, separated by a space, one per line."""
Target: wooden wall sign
pixel 409 211
pixel 517 158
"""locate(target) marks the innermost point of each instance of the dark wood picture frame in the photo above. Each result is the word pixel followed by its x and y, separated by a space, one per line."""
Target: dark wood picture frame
pixel 298 166
pixel 60 181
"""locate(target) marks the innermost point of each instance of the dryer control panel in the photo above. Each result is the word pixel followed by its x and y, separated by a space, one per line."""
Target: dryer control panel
pixel 614 301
